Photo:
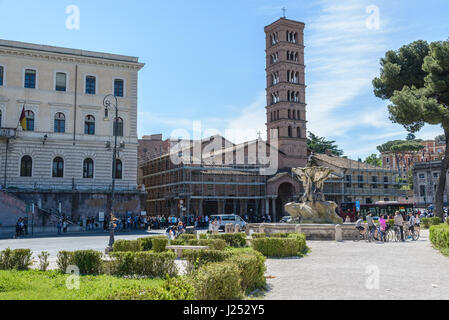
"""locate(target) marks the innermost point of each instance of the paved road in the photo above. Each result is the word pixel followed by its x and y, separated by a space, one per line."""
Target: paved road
pixel 411 270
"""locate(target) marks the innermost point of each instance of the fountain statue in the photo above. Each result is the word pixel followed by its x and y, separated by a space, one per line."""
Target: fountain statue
pixel 314 207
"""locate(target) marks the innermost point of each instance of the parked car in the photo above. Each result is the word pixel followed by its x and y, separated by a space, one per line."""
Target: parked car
pixel 286 219
pixel 223 220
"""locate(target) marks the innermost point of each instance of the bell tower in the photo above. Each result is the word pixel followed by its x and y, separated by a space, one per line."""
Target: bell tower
pixel 286 89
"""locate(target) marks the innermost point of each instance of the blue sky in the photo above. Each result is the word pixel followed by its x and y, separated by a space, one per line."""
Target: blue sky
pixel 205 59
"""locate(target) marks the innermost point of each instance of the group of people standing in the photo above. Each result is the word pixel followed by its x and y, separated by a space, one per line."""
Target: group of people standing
pixel 401 221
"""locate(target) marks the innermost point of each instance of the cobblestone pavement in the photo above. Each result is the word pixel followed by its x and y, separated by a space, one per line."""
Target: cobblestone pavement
pixel 347 270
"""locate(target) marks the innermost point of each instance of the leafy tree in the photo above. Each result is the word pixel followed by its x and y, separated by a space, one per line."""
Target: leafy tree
pixel 441 139
pixel 411 137
pixel 416 81
pixel 320 145
pixel 401 148
pixel 374 160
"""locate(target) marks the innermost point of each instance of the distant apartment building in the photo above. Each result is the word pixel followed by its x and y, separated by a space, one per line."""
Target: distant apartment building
pixel 357 181
pixel 63 156
pixel 425 179
pixel 432 151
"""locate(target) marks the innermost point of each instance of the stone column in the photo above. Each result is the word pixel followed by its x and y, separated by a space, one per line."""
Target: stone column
pixel 273 203
pixel 267 206
pixel 200 207
pixel 234 204
pixel 257 208
pixel 188 207
pixel 221 206
pixel 338 233
pixel 262 203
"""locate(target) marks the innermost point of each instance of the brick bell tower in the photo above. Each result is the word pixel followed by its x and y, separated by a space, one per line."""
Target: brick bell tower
pixel 286 89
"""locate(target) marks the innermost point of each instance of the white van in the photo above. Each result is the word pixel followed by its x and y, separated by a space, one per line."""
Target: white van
pixel 225 219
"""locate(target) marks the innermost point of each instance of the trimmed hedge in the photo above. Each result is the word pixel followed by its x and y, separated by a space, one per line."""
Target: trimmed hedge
pixel 203 236
pixel 176 242
pixel 439 236
pixel 214 244
pixel 127 245
pixel 218 281
pixel 89 262
pixel 428 222
pixel 160 244
pixel 19 259
pixel 280 235
pixel 302 244
pixel 277 247
pixel 146 264
pixel 252 269
pixel 187 237
pixel 236 240
pixel 198 258
pixel 146 243
pixel 258 235
pixel 172 289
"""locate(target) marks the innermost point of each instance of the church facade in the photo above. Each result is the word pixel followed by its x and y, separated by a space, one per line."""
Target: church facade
pixel 255 178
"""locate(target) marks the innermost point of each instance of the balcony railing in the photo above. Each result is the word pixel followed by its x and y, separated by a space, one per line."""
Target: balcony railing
pixel 6 133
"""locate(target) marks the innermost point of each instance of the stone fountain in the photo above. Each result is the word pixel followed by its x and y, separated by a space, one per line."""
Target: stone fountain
pixel 313 209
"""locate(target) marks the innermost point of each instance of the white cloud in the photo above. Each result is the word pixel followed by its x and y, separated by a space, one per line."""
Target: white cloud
pixel 345 59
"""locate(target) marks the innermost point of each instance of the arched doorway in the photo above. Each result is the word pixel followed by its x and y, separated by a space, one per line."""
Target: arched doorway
pixel 285 195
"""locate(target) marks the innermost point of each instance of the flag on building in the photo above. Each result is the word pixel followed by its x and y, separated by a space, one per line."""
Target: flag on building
pixel 23 119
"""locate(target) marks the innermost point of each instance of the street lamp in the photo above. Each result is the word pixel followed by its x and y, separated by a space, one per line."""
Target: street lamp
pixel 110 101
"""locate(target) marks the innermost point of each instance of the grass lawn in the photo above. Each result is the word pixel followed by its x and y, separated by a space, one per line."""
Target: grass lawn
pixel 51 285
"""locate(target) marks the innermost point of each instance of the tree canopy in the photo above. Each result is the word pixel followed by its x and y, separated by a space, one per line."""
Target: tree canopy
pixel 320 145
pixel 416 81
pixel 374 160
pixel 401 146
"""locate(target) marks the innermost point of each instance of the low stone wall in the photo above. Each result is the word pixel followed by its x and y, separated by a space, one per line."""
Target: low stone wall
pixel 323 232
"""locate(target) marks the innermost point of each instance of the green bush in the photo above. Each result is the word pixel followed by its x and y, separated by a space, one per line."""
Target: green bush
pixel 252 269
pixel 146 243
pixel 19 259
pixel 258 235
pixel 172 289
pixel 146 264
pixel 439 236
pixel 6 259
pixel 236 240
pixel 428 222
pixel 43 261
pixel 203 236
pixel 214 244
pixel 277 247
pixel 280 235
pixel 159 244
pixel 127 245
pixel 302 244
pixel 187 237
pixel 199 258
pixel 176 242
pixel 218 281
pixel 88 261
pixel 63 260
